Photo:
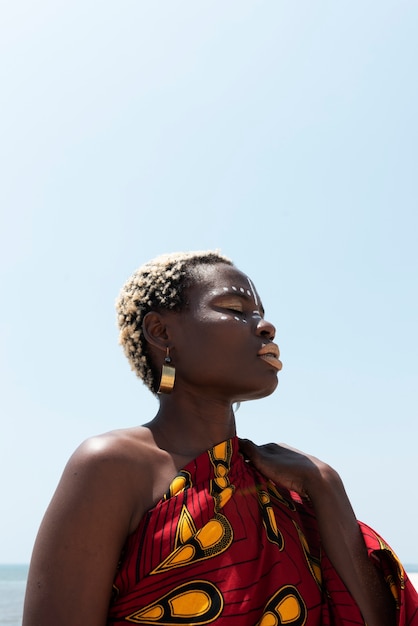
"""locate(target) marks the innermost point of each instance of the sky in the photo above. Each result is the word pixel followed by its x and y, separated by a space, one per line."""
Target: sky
pixel 283 134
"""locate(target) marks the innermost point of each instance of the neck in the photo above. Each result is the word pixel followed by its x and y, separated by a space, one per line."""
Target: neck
pixel 189 426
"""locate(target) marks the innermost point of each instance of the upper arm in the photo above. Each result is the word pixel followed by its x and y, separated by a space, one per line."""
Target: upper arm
pixel 80 539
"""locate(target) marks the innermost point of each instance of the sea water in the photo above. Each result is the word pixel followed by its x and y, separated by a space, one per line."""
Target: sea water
pixel 12 592
pixel 13 583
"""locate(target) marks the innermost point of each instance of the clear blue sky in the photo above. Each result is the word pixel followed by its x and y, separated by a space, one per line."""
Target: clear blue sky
pixel 283 133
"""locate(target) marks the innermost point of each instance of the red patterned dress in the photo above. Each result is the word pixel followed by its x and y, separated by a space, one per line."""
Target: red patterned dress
pixel 226 546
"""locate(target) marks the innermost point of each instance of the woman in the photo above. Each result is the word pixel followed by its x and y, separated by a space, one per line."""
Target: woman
pixel 180 522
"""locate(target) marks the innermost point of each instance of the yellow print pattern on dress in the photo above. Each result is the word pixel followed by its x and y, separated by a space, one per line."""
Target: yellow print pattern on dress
pixel 192 545
pixel 220 487
pixel 212 539
pixel 182 481
pixel 286 606
pixel 193 603
pixel 269 519
pixel 314 564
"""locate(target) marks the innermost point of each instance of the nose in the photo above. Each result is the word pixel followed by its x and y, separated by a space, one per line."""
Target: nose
pixel 266 329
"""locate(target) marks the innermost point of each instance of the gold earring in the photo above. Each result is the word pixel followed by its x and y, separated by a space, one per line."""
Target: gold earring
pixel 168 375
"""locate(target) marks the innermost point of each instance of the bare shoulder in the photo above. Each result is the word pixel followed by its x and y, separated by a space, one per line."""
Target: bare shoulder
pixel 106 487
pixel 120 465
pixel 119 447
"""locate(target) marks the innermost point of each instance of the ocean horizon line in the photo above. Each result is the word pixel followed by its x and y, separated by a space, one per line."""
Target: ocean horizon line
pixel 408 567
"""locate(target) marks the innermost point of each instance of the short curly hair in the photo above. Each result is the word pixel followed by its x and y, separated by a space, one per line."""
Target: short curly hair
pixel 160 284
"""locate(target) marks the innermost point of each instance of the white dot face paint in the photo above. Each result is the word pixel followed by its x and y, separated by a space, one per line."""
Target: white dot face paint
pixel 253 291
pixel 248 292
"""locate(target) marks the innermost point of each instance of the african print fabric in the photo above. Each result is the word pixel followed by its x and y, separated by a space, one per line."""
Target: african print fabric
pixel 225 546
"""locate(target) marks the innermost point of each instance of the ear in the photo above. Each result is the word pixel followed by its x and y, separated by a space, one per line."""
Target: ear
pixel 155 330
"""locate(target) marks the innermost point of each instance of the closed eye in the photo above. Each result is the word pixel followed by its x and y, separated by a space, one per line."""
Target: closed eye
pixel 229 303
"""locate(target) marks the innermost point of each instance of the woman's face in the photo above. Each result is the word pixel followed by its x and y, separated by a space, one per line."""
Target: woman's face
pixel 222 345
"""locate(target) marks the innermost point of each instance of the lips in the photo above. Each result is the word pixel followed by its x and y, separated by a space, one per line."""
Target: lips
pixel 270 353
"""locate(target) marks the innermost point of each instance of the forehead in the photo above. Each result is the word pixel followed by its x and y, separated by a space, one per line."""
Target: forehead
pixel 222 278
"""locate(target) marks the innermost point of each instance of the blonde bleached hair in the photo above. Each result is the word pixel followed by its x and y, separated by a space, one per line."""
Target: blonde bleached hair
pixel 160 284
